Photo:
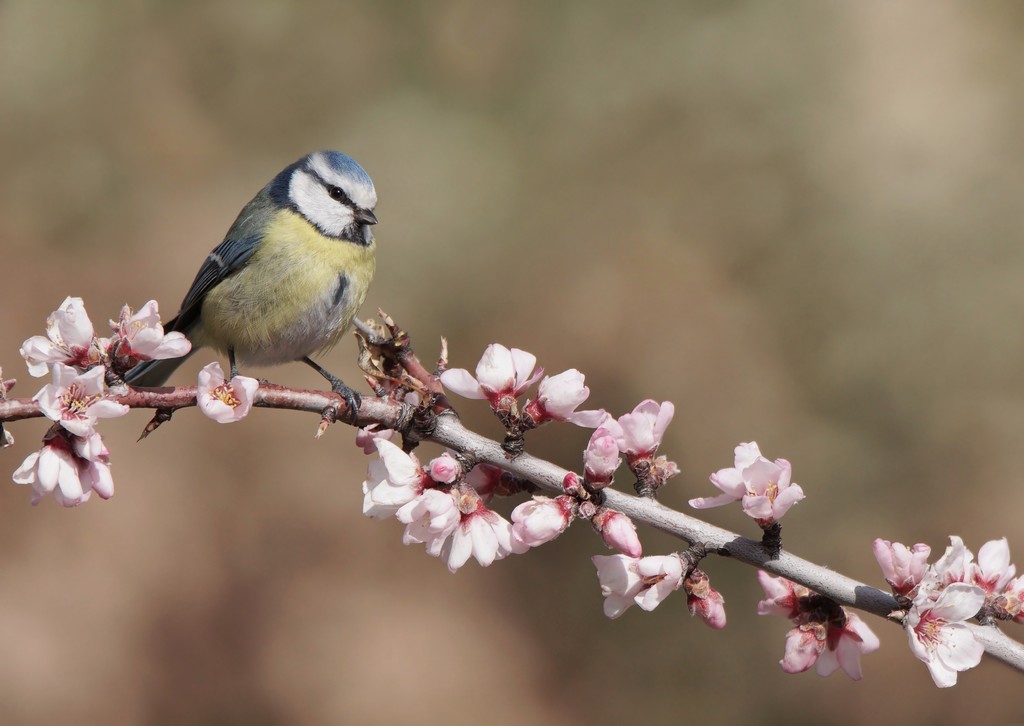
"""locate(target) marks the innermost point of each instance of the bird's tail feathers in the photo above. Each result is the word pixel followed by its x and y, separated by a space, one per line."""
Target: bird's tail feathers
pixel 154 372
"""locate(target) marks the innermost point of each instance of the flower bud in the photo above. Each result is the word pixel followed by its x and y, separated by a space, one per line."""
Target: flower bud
pixel 618 531
pixel 601 458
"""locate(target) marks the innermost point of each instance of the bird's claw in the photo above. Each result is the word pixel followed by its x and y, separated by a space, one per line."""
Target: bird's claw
pixel 352 400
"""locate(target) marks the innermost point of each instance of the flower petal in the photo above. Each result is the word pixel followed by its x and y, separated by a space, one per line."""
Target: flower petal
pixel 709 502
pixel 459 380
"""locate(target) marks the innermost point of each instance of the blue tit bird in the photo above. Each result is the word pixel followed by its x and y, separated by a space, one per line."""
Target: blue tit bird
pixel 289 276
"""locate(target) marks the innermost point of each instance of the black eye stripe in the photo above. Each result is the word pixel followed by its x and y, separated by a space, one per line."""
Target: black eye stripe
pixel 338 194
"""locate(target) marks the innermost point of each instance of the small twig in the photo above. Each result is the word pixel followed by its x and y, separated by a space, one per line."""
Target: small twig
pixel 162 416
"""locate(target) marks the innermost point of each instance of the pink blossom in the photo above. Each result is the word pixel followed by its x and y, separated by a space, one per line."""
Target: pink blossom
pixel 541 519
pixel 763 486
pixel 825 634
pixel 782 597
pixel 938 635
pixel 69 467
pixel 830 636
pixel 403 470
pixel 559 396
pixel 804 644
pixel 222 401
pixel 661 575
pixel 618 531
pixel 76 400
pixel 627 580
pixel 1013 600
pixel 430 519
pixel 376 481
pixel 486 480
pixel 601 458
pixel 703 600
pixel 140 336
pixel 454 525
pixel 903 568
pixel 993 571
pixel 69 340
pixel 640 433
pixel 481 534
pixel 366 437
pixel 845 646
pixel 620 582
pixel 501 376
pixel 445 468
pixel 954 566
pixel 93 460
pixel 393 480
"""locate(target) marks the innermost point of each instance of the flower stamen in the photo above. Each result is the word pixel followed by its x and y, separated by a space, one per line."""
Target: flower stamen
pixel 226 395
pixel 75 400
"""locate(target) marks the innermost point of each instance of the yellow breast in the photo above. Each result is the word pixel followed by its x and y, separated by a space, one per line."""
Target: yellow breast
pixel 296 295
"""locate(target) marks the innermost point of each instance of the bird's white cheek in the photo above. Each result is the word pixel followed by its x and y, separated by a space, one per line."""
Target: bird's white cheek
pixel 315 205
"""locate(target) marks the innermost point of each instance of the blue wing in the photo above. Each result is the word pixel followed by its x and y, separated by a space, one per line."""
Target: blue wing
pixel 227 258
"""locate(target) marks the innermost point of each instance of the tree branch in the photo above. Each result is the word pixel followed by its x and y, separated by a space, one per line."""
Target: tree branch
pixel 447 430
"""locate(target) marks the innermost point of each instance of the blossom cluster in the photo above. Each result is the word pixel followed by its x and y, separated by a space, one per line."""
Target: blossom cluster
pixel 445 504
pixel 504 374
pixel 73 462
pixel 763 487
pixel 636 436
pixel 646 581
pixel 444 507
pixel 825 635
pixel 451 522
pixel 71 341
pixel 942 596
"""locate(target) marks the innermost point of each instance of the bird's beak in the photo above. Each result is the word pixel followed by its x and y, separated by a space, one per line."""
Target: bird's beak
pixel 365 216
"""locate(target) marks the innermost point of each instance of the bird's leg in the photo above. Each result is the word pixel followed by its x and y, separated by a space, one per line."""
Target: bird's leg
pixel 352 399
pixel 231 360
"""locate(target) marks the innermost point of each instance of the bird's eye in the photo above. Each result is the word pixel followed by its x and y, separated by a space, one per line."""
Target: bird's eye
pixel 337 194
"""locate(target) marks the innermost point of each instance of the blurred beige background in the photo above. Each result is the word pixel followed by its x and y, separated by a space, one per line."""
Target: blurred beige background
pixel 798 221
